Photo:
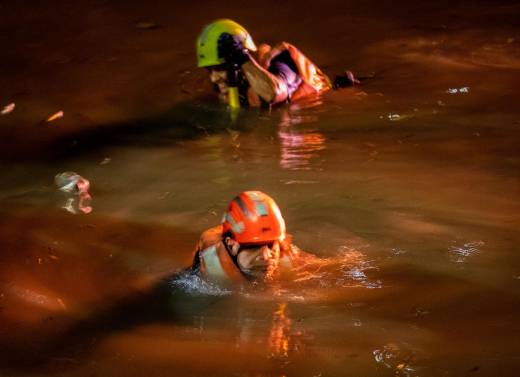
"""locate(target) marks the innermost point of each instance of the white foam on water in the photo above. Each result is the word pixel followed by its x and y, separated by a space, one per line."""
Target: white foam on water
pixel 195 285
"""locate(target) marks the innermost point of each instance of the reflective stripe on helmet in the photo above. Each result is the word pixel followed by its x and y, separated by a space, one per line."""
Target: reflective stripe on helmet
pixel 254 217
pixel 235 227
pixel 238 200
pixel 260 207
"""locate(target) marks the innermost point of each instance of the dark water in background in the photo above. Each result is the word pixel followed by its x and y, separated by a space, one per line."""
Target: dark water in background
pixel 407 190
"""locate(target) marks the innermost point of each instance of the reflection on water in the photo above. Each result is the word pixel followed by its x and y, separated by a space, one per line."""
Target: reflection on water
pixel 280 334
pixel 47 301
pixel 298 147
pixel 78 204
pixel 421 170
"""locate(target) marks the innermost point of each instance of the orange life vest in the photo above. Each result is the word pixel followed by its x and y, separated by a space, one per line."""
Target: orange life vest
pixel 314 81
pixel 217 265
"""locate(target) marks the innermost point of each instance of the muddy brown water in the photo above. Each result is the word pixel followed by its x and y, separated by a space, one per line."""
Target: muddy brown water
pixel 405 190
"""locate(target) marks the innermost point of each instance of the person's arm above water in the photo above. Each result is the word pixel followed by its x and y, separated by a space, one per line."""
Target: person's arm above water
pixel 271 87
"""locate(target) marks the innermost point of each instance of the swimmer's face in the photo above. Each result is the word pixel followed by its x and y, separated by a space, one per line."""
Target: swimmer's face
pixel 218 76
pixel 257 261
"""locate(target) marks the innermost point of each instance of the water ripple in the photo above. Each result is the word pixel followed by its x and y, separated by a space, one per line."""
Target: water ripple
pixel 347 269
pixel 309 276
pixel 299 148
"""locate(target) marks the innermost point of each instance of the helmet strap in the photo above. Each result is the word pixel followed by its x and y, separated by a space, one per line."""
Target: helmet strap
pixel 236 79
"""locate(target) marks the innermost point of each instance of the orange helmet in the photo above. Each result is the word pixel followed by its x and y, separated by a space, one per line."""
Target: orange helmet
pixel 253 217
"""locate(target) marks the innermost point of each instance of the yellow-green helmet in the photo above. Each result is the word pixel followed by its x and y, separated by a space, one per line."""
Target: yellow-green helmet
pixel 207 42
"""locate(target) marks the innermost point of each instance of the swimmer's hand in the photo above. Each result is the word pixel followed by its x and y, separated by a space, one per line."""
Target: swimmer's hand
pixel 345 80
pixel 230 48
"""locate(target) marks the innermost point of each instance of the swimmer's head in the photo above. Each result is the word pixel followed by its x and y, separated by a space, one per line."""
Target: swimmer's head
pixel 253 230
pixel 208 41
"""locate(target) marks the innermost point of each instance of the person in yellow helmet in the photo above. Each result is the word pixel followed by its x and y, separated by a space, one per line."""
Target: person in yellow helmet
pixel 276 74
pixel 250 244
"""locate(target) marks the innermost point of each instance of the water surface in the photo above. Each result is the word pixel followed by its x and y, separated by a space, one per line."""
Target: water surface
pixel 405 190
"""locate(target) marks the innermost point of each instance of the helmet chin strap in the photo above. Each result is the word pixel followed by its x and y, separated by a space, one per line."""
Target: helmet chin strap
pixel 237 86
pixel 232 78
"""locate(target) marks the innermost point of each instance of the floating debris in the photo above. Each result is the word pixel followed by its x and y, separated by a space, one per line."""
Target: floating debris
pixel 147 25
pixel 394 117
pixel 55 116
pixel 419 312
pixel 394 357
pixel 164 195
pixel 8 108
pixel 71 182
pixel 463 90
pixel 299 182
pixel 105 161
pixel 460 253
pixel 396 251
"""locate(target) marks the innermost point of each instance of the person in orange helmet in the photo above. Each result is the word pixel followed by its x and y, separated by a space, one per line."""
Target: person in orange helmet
pixel 275 74
pixel 250 244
